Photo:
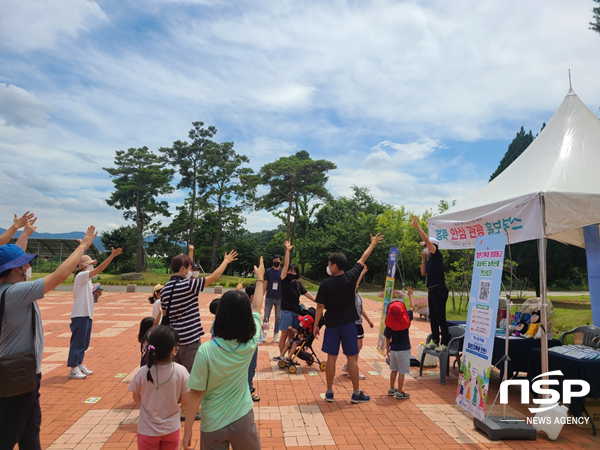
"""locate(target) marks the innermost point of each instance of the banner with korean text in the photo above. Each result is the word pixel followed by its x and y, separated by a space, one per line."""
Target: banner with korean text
pixel 388 292
pixel 476 362
pixel 521 220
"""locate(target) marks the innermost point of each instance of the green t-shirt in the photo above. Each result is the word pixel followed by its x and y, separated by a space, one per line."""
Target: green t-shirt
pixel 222 371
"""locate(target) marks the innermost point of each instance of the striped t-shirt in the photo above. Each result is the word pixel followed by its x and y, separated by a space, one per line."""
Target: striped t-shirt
pixel 184 313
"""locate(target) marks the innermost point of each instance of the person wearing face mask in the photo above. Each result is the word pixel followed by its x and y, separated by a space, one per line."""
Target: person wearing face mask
pixel 82 313
pixel 437 292
pixel 22 331
pixel 273 298
pixel 195 271
pixel 291 290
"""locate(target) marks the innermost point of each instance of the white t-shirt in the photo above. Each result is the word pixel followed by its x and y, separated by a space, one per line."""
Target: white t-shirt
pixel 159 411
pixel 156 310
pixel 83 305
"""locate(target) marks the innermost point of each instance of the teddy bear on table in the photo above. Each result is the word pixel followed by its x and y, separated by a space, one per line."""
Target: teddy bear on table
pixel 520 329
pixel 534 325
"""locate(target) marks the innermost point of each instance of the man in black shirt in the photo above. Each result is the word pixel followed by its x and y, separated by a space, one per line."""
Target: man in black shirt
pixel 336 294
pixel 437 292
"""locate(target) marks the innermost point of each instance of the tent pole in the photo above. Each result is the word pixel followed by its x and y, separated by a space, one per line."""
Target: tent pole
pixel 543 301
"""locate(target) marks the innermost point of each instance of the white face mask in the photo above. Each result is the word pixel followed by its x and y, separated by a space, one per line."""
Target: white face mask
pixel 27 274
pixel 195 274
pixel 426 250
pixel 329 271
pixel 188 275
pixel 90 267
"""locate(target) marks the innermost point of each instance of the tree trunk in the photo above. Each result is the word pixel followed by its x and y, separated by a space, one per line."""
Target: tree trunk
pixel 294 230
pixel 213 262
pixel 192 221
pixel 291 197
pixel 140 234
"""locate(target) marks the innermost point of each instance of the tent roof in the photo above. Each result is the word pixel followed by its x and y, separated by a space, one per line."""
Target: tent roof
pixel 562 164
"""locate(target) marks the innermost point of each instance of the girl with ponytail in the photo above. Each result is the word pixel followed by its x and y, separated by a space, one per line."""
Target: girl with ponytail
pixel 160 386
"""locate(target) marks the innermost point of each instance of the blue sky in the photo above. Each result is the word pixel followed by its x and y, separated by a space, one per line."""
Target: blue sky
pixel 416 100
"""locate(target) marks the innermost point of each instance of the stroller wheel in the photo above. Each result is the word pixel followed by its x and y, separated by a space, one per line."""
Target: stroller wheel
pixel 282 364
pixel 292 368
pixel 310 362
pixel 323 365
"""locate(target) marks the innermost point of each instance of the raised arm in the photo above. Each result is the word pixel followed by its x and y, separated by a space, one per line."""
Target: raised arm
pixel 430 246
pixel 374 241
pixel 229 258
pixel 259 291
pixel 191 247
pixel 409 291
pixel 18 222
pixel 286 264
pixel 66 268
pixel 27 232
pixel 113 254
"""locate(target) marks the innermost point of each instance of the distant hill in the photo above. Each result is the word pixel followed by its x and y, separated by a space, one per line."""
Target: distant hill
pixel 71 235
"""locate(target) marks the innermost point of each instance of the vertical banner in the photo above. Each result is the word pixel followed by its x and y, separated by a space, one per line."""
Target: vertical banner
pixel 387 295
pixel 592 253
pixel 476 362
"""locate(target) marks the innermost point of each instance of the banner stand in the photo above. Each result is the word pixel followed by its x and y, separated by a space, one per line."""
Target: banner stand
pixel 502 427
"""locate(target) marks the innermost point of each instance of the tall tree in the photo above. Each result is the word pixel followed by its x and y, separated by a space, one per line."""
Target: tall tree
pixel 226 185
pixel 596 25
pixel 139 177
pixel 289 178
pixel 516 147
pixel 188 158
pixel 124 237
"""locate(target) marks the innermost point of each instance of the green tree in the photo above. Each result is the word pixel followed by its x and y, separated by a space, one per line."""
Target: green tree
pixel 596 24
pixel 226 185
pixel 289 178
pixel 188 159
pixel 124 237
pixel 139 177
pixel 516 147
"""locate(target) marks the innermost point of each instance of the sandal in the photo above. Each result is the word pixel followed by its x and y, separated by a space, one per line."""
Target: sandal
pixel 255 398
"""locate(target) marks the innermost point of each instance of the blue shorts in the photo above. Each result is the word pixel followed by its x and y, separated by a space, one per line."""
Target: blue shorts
pixel 288 319
pixel 344 334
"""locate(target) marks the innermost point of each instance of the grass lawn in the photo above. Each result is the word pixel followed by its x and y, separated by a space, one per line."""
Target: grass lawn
pixel 564 319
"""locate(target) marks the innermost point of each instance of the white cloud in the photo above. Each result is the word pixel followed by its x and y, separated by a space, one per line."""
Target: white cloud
pixel 19 107
pixel 35 24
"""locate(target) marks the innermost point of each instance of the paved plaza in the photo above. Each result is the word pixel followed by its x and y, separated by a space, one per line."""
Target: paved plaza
pixel 99 413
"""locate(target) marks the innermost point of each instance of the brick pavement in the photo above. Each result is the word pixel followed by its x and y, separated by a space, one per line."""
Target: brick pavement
pixel 291 413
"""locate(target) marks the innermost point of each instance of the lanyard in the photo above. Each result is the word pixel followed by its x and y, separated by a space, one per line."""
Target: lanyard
pixel 219 345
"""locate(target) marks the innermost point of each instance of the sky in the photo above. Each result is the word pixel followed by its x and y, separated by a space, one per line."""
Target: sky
pixel 418 101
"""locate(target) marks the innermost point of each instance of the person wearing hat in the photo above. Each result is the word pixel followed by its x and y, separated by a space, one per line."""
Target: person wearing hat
pixel 437 292
pixel 83 312
pixel 20 415
pixel 154 299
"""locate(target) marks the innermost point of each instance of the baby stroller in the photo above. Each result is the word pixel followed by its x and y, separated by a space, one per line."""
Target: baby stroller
pixel 304 351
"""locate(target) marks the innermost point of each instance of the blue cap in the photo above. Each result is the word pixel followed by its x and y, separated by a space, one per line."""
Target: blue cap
pixel 12 256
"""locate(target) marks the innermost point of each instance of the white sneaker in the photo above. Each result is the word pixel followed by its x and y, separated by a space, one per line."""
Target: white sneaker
pixel 276 338
pixel 85 370
pixel 345 368
pixel 77 374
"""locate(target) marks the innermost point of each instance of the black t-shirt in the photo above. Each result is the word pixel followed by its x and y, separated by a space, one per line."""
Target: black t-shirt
pixel 399 340
pixel 290 295
pixel 337 294
pixel 435 270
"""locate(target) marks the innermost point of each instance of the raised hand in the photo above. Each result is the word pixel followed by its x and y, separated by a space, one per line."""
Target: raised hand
pixel 410 291
pixel 20 222
pixel 239 286
pixel 288 246
pixel 89 237
pixel 116 252
pixel 260 270
pixel 191 247
pixel 29 228
pixel 230 257
pixel 377 239
pixel 415 221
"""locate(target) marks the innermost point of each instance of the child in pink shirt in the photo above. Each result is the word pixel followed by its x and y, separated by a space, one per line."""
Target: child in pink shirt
pixel 160 386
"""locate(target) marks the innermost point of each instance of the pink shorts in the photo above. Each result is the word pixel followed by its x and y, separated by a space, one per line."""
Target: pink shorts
pixel 168 442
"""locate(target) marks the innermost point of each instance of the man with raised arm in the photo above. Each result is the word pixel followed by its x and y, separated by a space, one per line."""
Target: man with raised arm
pixel 437 292
pixel 21 415
pixel 336 295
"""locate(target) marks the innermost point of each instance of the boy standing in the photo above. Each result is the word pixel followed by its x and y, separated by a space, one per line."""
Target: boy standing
pixel 273 298
pixel 397 344
pixel 336 294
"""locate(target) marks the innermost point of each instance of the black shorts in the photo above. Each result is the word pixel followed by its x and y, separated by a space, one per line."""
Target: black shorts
pixel 360 331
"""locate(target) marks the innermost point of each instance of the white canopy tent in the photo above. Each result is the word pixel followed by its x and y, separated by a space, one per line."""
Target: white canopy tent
pixel 551 191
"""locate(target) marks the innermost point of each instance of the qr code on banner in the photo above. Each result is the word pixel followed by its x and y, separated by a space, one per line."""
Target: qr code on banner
pixel 484 290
